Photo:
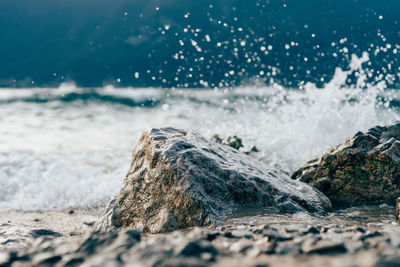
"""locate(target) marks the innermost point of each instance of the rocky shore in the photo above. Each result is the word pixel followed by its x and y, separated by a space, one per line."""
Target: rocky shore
pixel 362 236
pixel 188 201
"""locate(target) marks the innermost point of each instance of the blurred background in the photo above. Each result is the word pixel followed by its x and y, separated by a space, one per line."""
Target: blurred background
pixel 82 79
pixel 193 44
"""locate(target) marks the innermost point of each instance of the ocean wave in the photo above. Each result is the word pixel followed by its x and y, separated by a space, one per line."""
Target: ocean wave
pixel 58 154
pixel 32 181
pixel 145 97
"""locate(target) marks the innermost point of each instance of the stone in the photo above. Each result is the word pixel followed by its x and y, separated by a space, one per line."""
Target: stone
pixel 178 179
pixel 198 247
pixel 313 230
pixel 241 234
pixel 275 236
pixel 370 235
pixel 240 246
pixel 45 259
pixel 365 169
pixel 312 246
pixel 44 232
pixel 265 246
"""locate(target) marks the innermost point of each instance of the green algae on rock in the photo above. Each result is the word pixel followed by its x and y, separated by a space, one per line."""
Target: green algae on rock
pixel 365 169
pixel 178 179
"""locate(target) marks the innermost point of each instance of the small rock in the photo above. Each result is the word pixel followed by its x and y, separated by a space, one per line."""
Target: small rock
pixel 44 232
pixel 196 248
pixel 288 247
pixel 45 259
pixel 370 235
pixel 265 246
pixel 311 246
pixel 361 229
pixel 313 230
pixel 212 236
pixel 74 261
pixel 240 246
pixel 241 233
pixel 335 230
pixel 89 220
pixel 275 236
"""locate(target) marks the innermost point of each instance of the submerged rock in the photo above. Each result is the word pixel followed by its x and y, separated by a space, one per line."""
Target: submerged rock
pixel 364 169
pixel 178 179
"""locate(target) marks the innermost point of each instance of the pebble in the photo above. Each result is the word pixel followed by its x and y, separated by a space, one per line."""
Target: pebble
pixel 323 247
pixel 241 233
pixel 245 244
pixel 44 232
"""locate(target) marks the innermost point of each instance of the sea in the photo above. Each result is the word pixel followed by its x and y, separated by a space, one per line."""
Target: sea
pixel 80 82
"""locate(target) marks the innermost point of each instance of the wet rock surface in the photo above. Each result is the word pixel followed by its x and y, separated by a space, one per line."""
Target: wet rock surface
pixel 364 169
pixel 262 240
pixel 178 179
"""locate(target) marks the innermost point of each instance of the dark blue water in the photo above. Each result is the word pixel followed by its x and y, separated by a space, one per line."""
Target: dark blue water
pixel 194 43
pixel 291 77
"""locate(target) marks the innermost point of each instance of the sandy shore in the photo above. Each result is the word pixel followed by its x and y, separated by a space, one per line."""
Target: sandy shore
pixel 16 227
pixel 362 236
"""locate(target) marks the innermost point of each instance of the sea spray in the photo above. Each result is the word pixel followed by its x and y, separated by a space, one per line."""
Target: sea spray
pixel 70 147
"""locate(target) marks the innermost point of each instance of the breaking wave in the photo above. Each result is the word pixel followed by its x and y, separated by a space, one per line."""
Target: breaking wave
pixel 70 147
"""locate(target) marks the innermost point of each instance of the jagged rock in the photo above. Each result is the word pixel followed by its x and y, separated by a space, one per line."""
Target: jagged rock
pixel 365 169
pixel 178 179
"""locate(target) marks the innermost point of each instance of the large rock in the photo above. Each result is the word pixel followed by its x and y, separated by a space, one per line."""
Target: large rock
pixel 365 169
pixel 178 179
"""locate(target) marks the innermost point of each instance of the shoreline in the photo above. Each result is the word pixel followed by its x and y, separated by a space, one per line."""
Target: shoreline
pixel 16 226
pixel 360 235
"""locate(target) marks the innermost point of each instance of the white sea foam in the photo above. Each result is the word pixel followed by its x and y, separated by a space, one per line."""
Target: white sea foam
pixel 56 154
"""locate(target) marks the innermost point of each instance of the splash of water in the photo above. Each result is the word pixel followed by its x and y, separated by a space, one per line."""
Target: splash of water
pixel 294 126
pixel 69 149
